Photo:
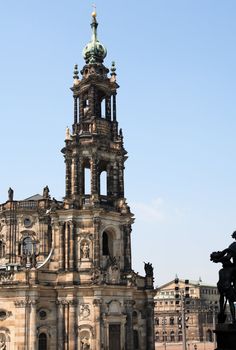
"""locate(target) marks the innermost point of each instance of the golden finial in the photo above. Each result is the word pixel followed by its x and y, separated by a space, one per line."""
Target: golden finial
pixel 94 13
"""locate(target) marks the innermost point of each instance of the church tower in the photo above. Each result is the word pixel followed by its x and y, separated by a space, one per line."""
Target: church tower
pixel 66 277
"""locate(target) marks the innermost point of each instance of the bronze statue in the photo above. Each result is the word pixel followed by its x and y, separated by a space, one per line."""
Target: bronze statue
pixel 227 279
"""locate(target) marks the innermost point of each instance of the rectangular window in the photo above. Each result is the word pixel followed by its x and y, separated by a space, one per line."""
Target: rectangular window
pixel 114 337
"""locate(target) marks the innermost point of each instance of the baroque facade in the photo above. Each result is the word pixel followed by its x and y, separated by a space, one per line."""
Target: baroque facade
pixel 66 280
pixel 198 306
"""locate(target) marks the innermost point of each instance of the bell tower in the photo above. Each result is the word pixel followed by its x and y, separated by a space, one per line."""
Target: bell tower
pixel 95 144
pixel 94 151
pixel 96 233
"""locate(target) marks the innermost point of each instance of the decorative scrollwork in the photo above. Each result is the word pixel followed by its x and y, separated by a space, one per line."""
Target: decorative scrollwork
pixel 84 311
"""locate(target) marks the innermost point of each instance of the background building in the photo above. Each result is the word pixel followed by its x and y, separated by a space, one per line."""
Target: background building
pixel 66 280
pixel 199 303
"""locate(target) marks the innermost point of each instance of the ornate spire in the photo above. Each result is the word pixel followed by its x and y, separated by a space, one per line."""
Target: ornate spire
pixel 113 71
pixel 94 51
pixel 76 75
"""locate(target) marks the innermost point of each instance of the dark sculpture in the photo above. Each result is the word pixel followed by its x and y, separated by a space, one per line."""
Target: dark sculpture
pixel 46 192
pixel 10 194
pixel 148 269
pixel 227 279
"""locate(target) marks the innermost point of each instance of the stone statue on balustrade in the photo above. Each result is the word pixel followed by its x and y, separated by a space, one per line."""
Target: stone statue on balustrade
pixel 148 269
pixel 46 192
pixel 227 279
pixel 10 194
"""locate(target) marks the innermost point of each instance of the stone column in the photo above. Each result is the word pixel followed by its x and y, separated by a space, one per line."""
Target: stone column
pixel 106 335
pixel 75 110
pixel 61 245
pixel 67 228
pixel 94 176
pixel 96 259
pixel 92 101
pixel 67 324
pixel 129 325
pixel 123 333
pixel 73 177
pixel 81 107
pixel 68 177
pixel 115 179
pixel 127 247
pixel 80 177
pixel 60 325
pixel 72 344
pixel 108 108
pixel 32 324
pixel 76 177
pixel 21 318
pixel 97 318
pixel 150 325
pixel 114 107
pixel 109 180
pixel 121 179
pixel 71 245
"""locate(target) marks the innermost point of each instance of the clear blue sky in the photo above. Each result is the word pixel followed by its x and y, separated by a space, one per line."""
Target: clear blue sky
pixel 176 104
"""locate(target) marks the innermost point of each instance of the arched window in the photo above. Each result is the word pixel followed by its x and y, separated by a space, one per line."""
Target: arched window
pixel 172 320
pixel 103 183
pixel 105 244
pixel 156 320
pixel 180 336
pixel 209 336
pixel 28 247
pixel 103 108
pixel 157 336
pixel 87 181
pixel 164 336
pixel 42 341
pixel 172 336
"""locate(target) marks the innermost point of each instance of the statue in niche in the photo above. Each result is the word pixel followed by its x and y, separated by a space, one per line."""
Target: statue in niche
pixel 113 270
pixel 46 192
pixel 10 194
pixel 227 279
pixel 84 250
pixel 85 344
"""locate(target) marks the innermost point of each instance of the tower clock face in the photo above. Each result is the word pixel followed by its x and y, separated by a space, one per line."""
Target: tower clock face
pixel 27 222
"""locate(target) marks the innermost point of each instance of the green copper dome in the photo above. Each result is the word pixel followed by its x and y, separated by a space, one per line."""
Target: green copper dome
pixel 94 51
